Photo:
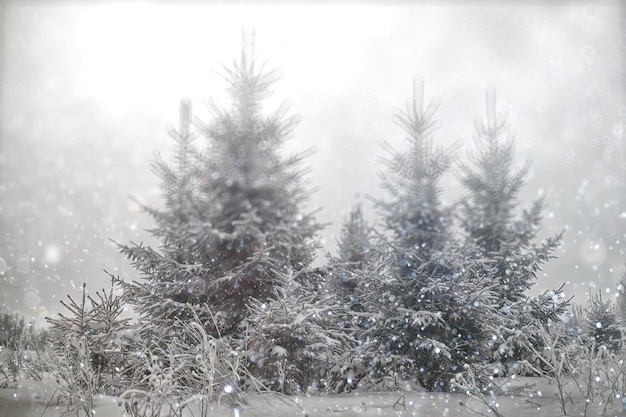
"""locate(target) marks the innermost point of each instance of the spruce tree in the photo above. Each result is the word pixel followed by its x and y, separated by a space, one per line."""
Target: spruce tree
pixel 354 245
pixel 499 234
pixel 426 311
pixel 90 346
pixel 413 213
pixel 297 337
pixel 602 322
pixel 233 218
pixel 489 211
pixel 356 255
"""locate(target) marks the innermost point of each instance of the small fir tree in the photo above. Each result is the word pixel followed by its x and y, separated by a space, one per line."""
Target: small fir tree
pixel 415 220
pixel 297 337
pixel 413 214
pixel 430 328
pixel 355 257
pixel 354 245
pixel 233 216
pixel 12 330
pixel 89 344
pixel 23 350
pixel 602 323
pixel 349 277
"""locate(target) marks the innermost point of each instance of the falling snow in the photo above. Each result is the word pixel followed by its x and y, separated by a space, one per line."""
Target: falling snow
pixel 439 294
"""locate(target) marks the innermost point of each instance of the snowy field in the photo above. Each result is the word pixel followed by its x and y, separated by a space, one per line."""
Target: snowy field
pixel 33 399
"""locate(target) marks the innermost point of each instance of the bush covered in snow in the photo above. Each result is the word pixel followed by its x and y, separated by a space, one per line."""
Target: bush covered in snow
pixel 23 350
pixel 90 346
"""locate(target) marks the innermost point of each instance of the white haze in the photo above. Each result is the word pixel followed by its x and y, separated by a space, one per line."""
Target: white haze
pixel 88 93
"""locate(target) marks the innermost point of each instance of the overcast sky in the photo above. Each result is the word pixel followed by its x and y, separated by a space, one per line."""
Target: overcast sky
pixel 88 93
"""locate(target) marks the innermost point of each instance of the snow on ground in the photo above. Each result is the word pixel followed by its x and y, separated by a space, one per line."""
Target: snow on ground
pixel 38 399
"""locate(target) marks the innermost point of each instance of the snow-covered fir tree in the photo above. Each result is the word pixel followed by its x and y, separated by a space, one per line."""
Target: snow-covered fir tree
pixel 499 233
pixel 413 213
pixel 233 218
pixel 426 311
pixel 489 211
pixel 23 349
pixel 602 323
pixel 90 342
pixel 356 255
pixel 297 338
pixel 354 244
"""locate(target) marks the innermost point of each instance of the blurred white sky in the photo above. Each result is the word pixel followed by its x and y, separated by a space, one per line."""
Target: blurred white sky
pixel 557 71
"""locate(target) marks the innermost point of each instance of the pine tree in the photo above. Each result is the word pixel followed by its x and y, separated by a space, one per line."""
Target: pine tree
pixel 296 337
pixel 414 214
pixel 356 255
pixel 489 210
pixel 496 232
pixel 233 217
pixel 354 244
pixel 94 332
pixel 431 328
pixel 426 310
pixel 23 349
pixel 602 322
pixel 12 330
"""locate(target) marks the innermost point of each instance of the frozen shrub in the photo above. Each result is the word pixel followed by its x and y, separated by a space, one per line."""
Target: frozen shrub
pixel 23 350
pixel 185 368
pixel 89 347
